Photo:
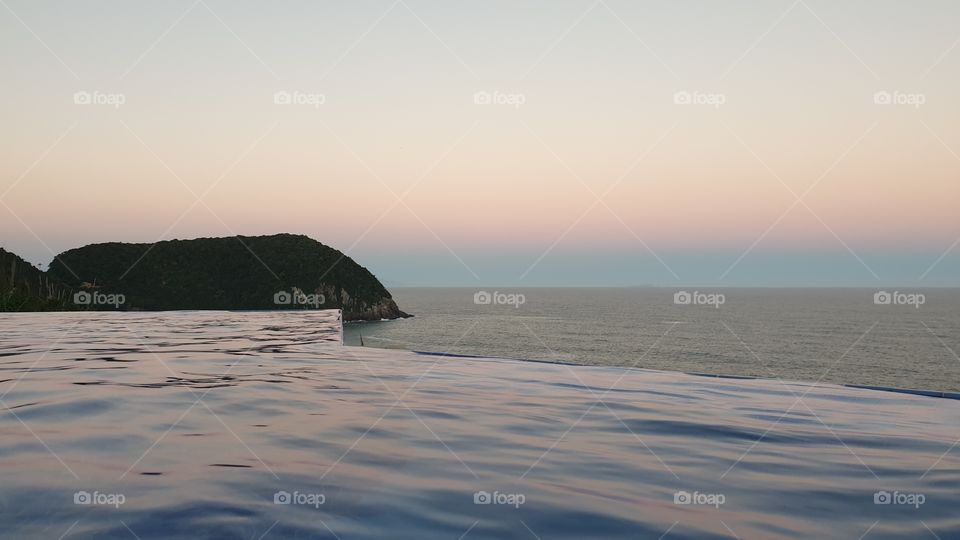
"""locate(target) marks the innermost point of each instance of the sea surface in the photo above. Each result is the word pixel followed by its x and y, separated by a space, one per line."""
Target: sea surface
pixel 261 425
pixel 829 335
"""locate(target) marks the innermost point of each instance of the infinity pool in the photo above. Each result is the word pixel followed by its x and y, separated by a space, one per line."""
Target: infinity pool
pixel 261 425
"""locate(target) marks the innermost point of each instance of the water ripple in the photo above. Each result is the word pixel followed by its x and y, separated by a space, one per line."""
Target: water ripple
pixel 203 422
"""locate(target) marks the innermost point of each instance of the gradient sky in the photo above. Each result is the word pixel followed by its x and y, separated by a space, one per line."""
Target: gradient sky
pixel 598 178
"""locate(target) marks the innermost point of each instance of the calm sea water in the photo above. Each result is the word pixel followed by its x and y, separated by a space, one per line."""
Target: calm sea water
pixel 831 335
pixel 260 425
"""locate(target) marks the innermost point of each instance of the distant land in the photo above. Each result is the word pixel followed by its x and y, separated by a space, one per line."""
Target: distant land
pixel 283 271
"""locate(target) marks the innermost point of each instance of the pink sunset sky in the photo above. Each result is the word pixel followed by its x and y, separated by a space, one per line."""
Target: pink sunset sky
pixel 773 143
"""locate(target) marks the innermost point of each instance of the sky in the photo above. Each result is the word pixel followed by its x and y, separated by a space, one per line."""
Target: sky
pixel 534 143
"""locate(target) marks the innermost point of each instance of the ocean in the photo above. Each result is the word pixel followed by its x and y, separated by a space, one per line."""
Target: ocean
pixel 260 425
pixel 827 335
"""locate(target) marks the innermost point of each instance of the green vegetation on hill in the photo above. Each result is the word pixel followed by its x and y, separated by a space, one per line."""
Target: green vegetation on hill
pixel 282 271
pixel 25 288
